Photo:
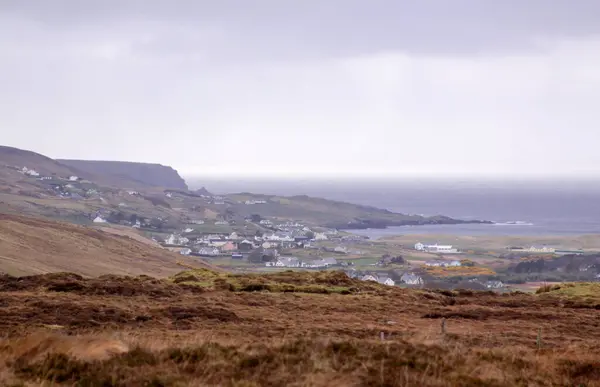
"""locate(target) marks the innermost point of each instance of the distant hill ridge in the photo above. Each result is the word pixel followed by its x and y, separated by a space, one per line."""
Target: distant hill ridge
pixel 157 175
pixel 113 173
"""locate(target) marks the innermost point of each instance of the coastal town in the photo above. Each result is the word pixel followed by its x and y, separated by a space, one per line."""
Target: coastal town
pixel 250 233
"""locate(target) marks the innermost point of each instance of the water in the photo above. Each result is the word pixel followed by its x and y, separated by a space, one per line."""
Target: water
pixel 540 207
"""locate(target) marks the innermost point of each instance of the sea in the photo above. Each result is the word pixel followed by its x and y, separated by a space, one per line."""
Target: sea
pixel 527 207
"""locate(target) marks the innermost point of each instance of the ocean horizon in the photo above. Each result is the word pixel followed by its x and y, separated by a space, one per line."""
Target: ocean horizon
pixel 518 207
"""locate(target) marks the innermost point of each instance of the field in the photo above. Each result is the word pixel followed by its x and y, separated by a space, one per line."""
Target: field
pixel 320 329
pixel 499 243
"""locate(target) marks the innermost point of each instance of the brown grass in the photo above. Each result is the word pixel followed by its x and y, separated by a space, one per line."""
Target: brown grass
pixel 35 246
pixel 66 330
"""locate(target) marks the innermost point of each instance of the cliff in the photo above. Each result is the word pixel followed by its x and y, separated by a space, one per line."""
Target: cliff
pixel 155 175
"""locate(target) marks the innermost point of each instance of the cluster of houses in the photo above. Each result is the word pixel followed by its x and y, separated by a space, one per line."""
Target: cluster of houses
pixel 408 278
pixel 213 245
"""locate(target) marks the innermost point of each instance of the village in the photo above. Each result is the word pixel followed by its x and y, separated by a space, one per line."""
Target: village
pixel 233 232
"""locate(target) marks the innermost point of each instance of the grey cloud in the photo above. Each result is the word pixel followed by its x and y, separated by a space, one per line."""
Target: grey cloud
pixel 317 28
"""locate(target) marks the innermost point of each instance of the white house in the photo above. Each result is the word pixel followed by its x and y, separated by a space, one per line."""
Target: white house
pixel 99 219
pixel 285 262
pixel 185 251
pixel 411 279
pixel 341 250
pixel 440 249
pixel 369 277
pixel 73 178
pixel 419 246
pixel 137 224
pixel 188 230
pixel 385 280
pixel 321 236
pixel 208 252
pixel 176 240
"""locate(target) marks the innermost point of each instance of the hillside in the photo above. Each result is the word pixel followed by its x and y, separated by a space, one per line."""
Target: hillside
pixel 288 329
pixel 329 213
pixel 154 175
pixel 14 157
pixel 35 246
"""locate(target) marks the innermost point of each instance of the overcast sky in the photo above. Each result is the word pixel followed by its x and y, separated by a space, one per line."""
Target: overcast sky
pixel 306 86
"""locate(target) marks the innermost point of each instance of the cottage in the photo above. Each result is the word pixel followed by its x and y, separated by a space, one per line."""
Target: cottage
pixel 315 264
pixel 73 178
pixel 369 277
pixel 385 280
pixel 494 284
pixel 285 262
pixel 186 251
pixel 99 219
pixel 208 252
pixel 320 236
pixel 411 279
pixel 176 240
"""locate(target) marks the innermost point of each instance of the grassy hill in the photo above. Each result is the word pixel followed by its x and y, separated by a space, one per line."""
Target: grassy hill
pixel 36 246
pixel 329 213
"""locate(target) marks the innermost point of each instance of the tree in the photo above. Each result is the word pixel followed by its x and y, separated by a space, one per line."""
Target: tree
pixel 310 235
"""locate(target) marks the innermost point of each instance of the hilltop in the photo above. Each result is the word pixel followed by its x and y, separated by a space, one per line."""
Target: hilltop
pixel 153 175
pixel 35 246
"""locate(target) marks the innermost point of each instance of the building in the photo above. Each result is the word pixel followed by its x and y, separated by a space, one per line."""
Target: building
pixel 208 252
pixel 369 277
pixel 439 249
pixel 411 279
pixel 186 251
pixel 99 219
pixel 540 249
pixel 285 262
pixel 385 280
pixel 568 252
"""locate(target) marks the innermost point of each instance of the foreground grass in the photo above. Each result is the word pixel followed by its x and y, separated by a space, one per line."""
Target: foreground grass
pixel 218 329
pixel 444 361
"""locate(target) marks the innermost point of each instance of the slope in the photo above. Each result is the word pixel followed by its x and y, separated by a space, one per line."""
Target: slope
pixel 14 157
pixel 35 246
